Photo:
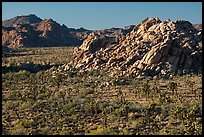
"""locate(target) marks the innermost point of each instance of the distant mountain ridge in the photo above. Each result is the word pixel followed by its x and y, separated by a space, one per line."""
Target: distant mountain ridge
pixel 31 31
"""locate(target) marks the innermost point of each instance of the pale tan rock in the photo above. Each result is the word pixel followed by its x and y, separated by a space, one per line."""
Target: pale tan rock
pixel 152 47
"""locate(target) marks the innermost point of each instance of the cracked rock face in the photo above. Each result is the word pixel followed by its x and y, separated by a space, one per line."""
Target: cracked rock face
pixel 153 47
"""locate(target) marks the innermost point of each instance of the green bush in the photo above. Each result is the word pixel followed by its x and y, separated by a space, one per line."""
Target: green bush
pixel 102 131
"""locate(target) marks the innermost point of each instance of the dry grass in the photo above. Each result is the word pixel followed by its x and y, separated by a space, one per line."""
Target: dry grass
pixel 93 102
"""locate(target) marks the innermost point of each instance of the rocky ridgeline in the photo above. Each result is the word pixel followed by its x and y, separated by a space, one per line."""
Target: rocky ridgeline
pixel 45 33
pixel 112 32
pixel 27 19
pixel 31 31
pixel 152 48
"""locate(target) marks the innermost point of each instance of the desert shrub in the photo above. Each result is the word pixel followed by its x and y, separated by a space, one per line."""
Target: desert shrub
pixel 164 98
pixel 69 105
pixel 121 111
pixel 102 131
pixel 10 105
pixel 121 81
pixel 135 108
pixel 18 130
pixel 190 116
pixel 65 131
pixel 25 105
pixel 22 75
pixel 172 86
pixel 87 91
pixel 146 89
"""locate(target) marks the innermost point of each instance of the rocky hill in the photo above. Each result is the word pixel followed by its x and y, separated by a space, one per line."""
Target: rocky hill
pixel 27 19
pixel 31 31
pixel 153 47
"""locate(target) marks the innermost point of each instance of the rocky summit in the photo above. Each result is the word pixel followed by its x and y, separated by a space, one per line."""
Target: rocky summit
pixel 25 19
pixel 152 48
pixel 31 31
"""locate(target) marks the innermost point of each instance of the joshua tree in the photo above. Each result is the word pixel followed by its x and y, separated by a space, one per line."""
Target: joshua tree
pixel 104 115
pixel 173 87
pixel 146 88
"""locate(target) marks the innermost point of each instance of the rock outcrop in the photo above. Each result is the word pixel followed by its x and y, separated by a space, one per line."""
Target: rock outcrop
pixel 198 26
pixel 153 47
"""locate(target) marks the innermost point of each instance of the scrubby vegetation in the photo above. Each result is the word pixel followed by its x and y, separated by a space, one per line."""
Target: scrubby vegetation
pixel 76 102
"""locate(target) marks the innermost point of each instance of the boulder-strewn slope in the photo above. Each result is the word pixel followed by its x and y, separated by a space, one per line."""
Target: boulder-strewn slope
pixel 153 47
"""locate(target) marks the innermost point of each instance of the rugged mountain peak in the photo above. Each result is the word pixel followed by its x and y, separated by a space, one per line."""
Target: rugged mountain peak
pixel 31 33
pixel 25 19
pixel 48 24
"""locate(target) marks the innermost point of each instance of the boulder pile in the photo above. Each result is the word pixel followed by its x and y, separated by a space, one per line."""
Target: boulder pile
pixel 152 48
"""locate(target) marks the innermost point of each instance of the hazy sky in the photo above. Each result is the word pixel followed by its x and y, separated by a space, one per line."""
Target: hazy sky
pixel 102 15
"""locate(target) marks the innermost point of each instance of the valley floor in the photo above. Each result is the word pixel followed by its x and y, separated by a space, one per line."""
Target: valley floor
pixel 73 102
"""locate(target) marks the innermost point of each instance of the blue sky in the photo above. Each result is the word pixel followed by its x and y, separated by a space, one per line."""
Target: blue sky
pixel 102 15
